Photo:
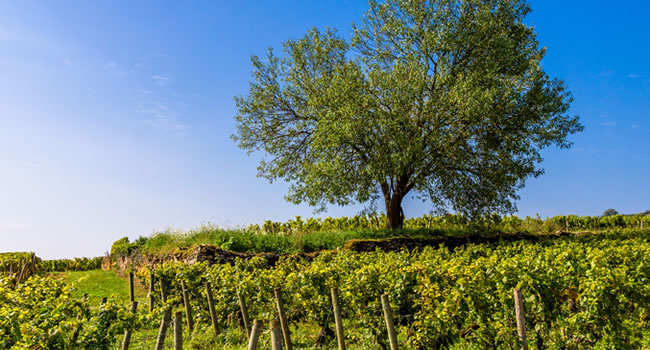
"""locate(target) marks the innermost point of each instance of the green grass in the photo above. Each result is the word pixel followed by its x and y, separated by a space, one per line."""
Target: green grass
pixel 255 242
pixel 100 283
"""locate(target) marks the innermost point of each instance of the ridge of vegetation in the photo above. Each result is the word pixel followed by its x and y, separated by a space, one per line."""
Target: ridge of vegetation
pixel 315 234
pixel 13 262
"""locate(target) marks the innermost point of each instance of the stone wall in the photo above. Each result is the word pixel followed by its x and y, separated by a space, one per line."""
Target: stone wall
pixel 201 253
pixel 214 255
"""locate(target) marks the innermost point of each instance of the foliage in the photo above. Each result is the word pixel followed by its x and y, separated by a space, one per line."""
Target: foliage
pixel 315 234
pixel 41 313
pixel 610 212
pixel 446 100
pixel 586 291
pixel 15 261
pixel 18 266
pixel 578 293
pixel 76 264
pixel 122 247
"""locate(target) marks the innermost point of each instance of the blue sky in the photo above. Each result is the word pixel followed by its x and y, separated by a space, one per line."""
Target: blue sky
pixel 116 116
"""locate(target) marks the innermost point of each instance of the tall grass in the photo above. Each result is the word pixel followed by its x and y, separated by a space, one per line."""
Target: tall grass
pixel 314 234
pixel 242 240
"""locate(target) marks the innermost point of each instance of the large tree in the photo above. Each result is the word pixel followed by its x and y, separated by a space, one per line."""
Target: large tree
pixel 444 100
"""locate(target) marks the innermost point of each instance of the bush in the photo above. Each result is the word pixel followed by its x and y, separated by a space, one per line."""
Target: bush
pixel 122 247
pixel 610 212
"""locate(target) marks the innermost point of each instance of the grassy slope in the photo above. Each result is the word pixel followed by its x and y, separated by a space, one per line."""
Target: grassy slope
pixel 244 241
pixel 100 283
pixel 330 233
pixel 290 237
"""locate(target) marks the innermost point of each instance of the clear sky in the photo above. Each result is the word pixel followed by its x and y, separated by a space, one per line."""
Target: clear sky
pixel 116 116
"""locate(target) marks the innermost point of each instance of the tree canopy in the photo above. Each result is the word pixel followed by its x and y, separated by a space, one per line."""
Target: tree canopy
pixel 610 212
pixel 444 100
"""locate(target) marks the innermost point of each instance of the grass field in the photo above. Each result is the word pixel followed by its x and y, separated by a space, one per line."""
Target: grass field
pixel 100 283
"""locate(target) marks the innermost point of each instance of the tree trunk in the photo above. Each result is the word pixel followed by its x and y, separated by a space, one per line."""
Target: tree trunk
pixel 394 213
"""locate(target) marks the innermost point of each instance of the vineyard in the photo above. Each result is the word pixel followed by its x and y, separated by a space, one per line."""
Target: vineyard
pixel 14 263
pixel 18 266
pixel 587 291
pixel 76 264
pixel 126 120
pixel 456 221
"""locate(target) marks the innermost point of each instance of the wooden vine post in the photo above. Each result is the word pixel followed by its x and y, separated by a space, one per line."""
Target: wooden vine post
pixel 131 288
pixel 390 323
pixel 337 318
pixel 163 291
pixel 188 307
pixel 75 332
pixel 77 329
pixel 276 335
pixel 151 290
pixel 521 318
pixel 213 313
pixel 244 313
pixel 255 335
pixel 34 258
pixel 178 330
pixel 127 333
pixel 166 318
pixel 283 318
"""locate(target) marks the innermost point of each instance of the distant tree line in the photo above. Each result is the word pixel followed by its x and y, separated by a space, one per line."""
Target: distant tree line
pixel 612 212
